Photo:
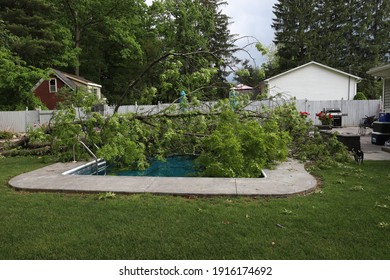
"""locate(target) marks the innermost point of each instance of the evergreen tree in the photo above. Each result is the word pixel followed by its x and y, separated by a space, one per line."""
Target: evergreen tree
pixel 379 30
pixel 16 78
pixel 349 35
pixel 221 42
pixel 39 38
pixel 294 32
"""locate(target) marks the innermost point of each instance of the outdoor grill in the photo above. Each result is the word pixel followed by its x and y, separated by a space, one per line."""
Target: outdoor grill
pixel 336 115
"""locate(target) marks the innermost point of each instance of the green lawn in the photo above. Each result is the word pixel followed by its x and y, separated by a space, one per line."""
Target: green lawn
pixel 347 218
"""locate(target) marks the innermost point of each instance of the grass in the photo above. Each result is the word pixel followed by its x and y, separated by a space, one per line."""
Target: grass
pixel 347 218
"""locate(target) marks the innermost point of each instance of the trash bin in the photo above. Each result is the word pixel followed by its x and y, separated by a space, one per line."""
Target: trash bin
pixel 379 138
pixel 384 117
pixel 352 141
pixel 382 127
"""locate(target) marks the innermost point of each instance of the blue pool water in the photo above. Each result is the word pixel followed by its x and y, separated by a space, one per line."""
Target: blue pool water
pixel 176 166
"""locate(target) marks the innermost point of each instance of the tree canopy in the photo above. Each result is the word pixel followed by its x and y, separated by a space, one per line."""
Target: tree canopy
pixel 112 42
pixel 146 54
pixel 16 78
pixel 40 39
pixel 188 44
pixel 349 35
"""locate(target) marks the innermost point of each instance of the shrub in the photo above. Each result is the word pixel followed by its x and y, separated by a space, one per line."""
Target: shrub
pixel 360 96
pixel 6 134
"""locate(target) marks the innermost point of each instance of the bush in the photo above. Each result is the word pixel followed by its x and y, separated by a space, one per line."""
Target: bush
pixel 6 135
pixel 360 96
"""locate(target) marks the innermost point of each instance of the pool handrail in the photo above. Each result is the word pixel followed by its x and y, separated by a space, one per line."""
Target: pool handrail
pixel 90 152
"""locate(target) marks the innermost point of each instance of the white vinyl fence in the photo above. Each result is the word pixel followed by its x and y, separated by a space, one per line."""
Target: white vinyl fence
pixel 353 110
pixel 22 121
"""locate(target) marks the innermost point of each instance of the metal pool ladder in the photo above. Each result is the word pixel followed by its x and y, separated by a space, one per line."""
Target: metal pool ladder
pixel 92 154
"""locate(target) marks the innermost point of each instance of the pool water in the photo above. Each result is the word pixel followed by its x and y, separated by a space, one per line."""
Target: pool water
pixel 175 166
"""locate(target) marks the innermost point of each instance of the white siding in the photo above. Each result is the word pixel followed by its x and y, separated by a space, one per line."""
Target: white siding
pixel 386 95
pixel 314 82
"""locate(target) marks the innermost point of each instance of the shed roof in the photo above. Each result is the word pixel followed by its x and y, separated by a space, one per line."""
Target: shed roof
pixel 70 80
pixel 74 79
pixel 61 75
pixel 317 64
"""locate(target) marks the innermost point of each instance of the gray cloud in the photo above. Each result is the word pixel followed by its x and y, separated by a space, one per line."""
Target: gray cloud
pixel 251 18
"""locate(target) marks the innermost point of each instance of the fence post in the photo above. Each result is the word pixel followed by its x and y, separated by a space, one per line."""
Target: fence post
pixel 25 119
pixel 39 115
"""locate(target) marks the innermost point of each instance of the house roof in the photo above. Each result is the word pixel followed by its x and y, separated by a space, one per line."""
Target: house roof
pixel 380 71
pixel 314 63
pixel 70 80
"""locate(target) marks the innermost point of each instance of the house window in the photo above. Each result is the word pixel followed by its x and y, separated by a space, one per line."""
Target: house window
pixel 53 85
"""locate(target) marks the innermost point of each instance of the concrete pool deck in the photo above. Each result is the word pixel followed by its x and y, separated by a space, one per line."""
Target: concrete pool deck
pixel 288 178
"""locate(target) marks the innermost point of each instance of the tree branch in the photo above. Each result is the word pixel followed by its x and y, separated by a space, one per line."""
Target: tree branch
pixel 151 65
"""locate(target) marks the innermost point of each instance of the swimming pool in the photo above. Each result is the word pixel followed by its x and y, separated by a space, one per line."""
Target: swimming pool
pixel 174 166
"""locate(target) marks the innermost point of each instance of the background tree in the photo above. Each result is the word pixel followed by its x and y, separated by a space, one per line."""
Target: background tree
pixel 108 37
pixel 249 75
pixel 84 16
pixel 16 78
pixel 192 26
pixel 222 43
pixel 39 39
pixel 349 35
pixel 294 32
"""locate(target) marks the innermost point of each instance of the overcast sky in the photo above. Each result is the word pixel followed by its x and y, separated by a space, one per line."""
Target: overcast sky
pixel 250 18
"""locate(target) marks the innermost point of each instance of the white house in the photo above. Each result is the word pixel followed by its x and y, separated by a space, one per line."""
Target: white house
pixel 314 81
pixel 383 72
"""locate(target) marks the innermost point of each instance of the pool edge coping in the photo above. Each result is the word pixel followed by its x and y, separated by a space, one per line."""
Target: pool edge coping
pixel 288 178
